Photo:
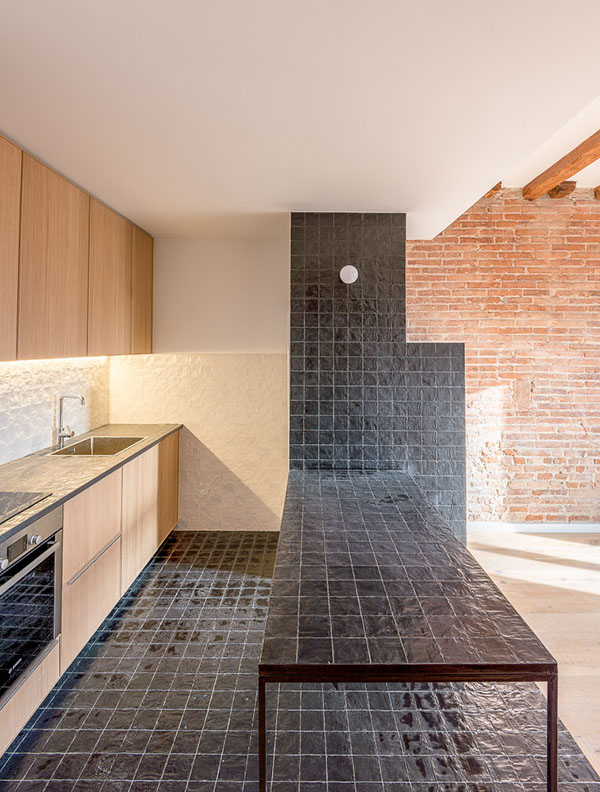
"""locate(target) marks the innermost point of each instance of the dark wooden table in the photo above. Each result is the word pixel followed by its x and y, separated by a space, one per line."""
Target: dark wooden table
pixel 371 585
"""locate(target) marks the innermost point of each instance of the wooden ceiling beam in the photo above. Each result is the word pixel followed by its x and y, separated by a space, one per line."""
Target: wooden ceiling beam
pixel 496 188
pixel 578 159
pixel 562 189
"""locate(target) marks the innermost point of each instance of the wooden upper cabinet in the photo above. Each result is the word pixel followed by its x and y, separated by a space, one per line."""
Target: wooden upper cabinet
pixel 75 277
pixel 109 310
pixel 10 208
pixel 141 291
pixel 53 279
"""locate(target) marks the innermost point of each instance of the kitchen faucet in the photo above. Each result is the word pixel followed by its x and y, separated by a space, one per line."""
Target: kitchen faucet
pixel 65 431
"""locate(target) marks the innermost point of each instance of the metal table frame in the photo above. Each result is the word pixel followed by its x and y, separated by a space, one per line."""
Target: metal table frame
pixel 365 673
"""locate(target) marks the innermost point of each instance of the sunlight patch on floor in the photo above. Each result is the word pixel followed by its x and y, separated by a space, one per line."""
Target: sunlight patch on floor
pixel 553 580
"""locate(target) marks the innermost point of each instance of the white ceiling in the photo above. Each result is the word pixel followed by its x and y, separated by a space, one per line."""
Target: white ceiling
pixel 181 111
pixel 574 132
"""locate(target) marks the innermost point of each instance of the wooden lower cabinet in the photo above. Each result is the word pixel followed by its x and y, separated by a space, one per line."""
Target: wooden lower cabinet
pixel 139 517
pixel 110 532
pixel 149 505
pixel 87 599
pixel 91 563
pixel 168 485
pixel 21 706
pixel 91 520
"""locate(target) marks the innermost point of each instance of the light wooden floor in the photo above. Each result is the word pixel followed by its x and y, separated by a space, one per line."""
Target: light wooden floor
pixel 553 580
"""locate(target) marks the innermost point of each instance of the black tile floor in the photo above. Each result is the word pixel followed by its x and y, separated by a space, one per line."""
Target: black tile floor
pixel 163 698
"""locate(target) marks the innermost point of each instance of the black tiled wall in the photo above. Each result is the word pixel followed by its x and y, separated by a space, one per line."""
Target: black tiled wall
pixel 361 398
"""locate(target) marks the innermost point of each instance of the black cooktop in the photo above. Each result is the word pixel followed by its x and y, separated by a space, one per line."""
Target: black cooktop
pixel 12 503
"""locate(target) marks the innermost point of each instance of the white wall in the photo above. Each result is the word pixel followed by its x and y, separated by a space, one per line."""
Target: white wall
pixel 234 448
pixel 222 295
pixel 221 308
pixel 220 367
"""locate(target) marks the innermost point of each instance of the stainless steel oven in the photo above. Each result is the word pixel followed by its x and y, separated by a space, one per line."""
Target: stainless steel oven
pixel 30 592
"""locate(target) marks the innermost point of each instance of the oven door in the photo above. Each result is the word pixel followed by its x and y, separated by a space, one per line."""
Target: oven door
pixel 29 613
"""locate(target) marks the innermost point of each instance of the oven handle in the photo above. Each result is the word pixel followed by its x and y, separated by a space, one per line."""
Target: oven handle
pixel 26 570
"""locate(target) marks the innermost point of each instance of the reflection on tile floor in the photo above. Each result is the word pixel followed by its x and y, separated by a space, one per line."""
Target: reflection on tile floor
pixel 163 698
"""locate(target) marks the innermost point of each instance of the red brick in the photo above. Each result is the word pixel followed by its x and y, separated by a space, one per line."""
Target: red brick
pixel 518 282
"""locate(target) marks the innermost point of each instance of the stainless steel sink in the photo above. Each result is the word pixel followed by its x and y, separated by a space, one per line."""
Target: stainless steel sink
pixel 98 446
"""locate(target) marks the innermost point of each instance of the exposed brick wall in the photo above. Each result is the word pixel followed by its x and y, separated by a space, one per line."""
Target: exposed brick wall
pixel 519 283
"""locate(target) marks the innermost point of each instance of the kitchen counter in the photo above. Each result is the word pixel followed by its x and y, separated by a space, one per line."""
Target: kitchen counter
pixel 66 476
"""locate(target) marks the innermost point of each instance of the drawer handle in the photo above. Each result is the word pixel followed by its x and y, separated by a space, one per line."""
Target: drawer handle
pixel 93 560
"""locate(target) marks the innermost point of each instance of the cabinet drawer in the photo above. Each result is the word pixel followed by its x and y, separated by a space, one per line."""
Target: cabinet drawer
pixel 91 519
pixel 21 706
pixel 87 600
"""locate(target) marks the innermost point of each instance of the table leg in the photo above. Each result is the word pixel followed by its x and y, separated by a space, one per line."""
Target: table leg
pixel 552 734
pixel 262 738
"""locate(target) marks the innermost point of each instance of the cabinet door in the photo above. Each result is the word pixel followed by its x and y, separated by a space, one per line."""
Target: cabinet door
pixel 91 520
pixel 53 275
pixel 87 600
pixel 168 485
pixel 109 310
pixel 139 520
pixel 10 212
pixel 141 291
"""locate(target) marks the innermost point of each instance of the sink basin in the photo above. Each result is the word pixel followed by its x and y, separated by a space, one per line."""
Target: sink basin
pixel 98 446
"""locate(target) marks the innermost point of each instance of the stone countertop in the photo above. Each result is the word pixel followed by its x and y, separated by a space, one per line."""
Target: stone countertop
pixel 66 476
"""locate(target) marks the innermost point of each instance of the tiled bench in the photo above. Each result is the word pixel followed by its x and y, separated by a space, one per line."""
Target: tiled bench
pixel 371 585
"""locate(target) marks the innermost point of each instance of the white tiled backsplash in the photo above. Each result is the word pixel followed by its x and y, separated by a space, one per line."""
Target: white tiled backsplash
pixel 29 392
pixel 234 447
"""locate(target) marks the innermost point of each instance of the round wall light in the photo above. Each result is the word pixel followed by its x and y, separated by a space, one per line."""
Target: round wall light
pixel 348 274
